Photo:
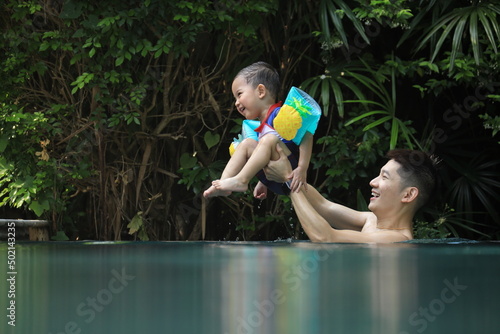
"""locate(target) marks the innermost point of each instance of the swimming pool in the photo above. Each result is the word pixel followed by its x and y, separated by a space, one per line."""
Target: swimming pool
pixel 243 287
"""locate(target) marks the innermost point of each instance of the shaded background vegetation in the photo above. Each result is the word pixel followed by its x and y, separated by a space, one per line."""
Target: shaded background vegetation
pixel 116 115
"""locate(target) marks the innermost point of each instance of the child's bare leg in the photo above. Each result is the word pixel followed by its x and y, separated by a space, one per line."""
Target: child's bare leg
pixel 234 165
pixel 274 153
pixel 263 153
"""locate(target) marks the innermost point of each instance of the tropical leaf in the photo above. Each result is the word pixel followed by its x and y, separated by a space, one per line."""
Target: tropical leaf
pixel 330 12
pixel 416 22
pixel 336 81
pixel 451 27
pixel 367 114
pixel 386 104
pixel 361 202
pixel 136 223
pixel 477 181
pixel 444 222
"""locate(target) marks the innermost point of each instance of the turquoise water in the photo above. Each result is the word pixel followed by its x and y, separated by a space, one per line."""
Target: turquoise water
pixel 224 287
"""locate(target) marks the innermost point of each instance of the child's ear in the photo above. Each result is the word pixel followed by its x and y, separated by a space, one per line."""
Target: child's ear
pixel 261 90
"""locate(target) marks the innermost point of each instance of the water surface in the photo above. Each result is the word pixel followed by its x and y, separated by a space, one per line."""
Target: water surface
pixel 240 287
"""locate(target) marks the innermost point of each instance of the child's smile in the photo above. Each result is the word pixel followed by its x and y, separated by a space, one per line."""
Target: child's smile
pixel 248 103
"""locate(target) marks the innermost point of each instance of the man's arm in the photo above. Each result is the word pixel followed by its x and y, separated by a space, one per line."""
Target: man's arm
pixel 336 215
pixel 319 230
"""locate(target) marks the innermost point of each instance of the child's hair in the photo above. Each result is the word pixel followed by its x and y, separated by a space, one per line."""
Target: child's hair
pixel 262 73
pixel 418 169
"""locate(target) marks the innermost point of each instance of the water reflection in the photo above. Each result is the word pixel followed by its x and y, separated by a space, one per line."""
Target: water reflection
pixel 254 288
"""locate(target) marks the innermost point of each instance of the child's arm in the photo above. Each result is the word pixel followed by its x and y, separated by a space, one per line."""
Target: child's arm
pixel 299 174
pixel 260 191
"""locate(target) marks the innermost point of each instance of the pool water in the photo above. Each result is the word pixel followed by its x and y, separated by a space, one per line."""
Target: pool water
pixel 241 287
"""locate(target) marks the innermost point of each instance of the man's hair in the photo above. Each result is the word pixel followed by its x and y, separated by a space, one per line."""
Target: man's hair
pixel 262 73
pixel 418 169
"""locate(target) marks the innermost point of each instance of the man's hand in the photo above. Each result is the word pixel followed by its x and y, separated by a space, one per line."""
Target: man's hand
pixel 279 170
pixel 299 179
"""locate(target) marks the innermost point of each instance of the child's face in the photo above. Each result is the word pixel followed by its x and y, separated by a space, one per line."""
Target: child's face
pixel 249 100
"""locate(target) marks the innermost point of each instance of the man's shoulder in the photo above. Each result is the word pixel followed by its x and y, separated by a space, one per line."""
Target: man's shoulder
pixel 371 226
pixel 370 221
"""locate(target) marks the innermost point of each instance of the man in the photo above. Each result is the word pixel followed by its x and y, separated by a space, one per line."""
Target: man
pixel 403 186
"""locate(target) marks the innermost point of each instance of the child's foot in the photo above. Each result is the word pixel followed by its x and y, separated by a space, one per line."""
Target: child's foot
pixel 230 184
pixel 214 192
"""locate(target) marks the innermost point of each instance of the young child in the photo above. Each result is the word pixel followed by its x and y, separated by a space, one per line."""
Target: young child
pixel 255 89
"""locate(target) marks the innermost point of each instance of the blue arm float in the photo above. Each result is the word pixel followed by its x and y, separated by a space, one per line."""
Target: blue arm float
pixel 247 131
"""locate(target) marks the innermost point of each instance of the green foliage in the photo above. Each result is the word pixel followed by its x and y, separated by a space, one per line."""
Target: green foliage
pixel 110 108
pixel 348 153
pixel 444 223
pixel 386 108
pixel 433 230
pixel 60 236
pixel 361 204
pixel 333 81
pixel 479 21
pixel 332 13
pixel 195 176
pixel 136 225
pixel 393 12
pixel 477 179
pixel 491 122
pixel 95 78
pixel 28 176
pixel 211 139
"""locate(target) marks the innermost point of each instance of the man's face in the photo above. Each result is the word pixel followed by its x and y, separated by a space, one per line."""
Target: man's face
pixel 387 190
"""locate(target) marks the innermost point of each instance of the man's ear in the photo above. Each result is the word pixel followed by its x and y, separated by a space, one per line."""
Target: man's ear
pixel 261 90
pixel 410 194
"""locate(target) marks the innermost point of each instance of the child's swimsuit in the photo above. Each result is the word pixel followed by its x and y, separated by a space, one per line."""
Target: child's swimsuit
pixel 266 127
pixel 290 122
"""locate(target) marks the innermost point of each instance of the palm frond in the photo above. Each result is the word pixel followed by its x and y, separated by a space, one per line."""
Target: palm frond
pixel 329 13
pixel 477 181
pixel 377 123
pixel 334 81
pixel 452 27
pixel 368 114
